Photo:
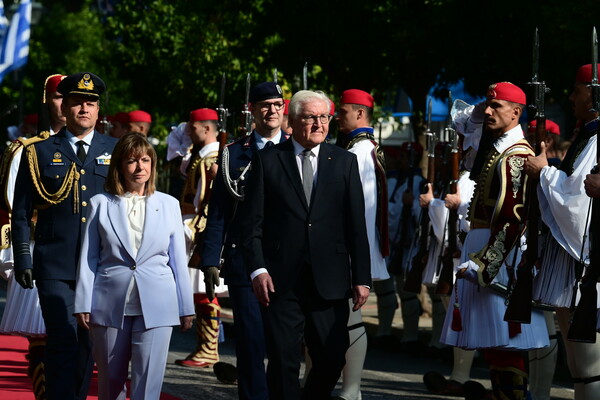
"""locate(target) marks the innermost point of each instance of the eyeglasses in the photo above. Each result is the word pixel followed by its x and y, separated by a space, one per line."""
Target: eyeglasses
pixel 267 106
pixel 312 119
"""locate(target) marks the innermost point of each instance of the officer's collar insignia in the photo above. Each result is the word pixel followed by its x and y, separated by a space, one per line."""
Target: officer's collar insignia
pixel 86 83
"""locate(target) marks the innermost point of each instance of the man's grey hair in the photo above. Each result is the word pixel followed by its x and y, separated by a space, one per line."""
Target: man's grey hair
pixel 305 96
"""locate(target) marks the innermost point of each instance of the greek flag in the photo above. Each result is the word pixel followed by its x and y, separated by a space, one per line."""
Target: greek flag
pixel 14 49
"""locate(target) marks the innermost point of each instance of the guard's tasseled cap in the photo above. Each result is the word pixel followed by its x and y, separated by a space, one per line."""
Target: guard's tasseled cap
pixel 51 84
pixel 506 91
pixel 357 96
pixel 584 73
pixel 139 116
pixel 82 83
pixel 551 127
pixel 204 114
pixel 265 91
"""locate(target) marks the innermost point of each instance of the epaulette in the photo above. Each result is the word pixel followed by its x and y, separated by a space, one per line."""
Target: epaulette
pixel 43 135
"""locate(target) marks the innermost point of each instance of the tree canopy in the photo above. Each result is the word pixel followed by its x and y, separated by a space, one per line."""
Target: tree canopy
pixel 167 56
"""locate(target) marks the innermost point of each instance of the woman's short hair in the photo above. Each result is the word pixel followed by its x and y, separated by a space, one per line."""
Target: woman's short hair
pixel 131 145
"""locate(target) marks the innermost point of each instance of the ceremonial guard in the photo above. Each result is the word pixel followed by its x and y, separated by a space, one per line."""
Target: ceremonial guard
pixel 22 314
pixel 222 253
pixel 57 177
pixel 354 116
pixel 564 209
pixel 476 320
pixel 403 214
pixel 201 169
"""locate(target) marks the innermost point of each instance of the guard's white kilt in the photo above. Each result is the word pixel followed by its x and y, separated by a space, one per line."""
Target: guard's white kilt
pixel 482 312
pixel 22 313
pixel 196 275
pixel 553 285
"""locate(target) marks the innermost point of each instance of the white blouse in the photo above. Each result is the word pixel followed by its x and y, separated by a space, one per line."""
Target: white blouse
pixel 136 215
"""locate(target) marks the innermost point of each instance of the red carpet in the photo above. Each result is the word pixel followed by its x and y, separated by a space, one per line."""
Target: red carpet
pixel 14 383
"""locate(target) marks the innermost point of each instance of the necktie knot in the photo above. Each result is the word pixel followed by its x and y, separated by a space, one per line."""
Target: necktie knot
pixel 268 144
pixel 81 154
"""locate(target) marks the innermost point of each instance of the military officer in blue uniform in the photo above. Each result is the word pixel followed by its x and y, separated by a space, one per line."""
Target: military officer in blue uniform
pixel 222 236
pixel 57 177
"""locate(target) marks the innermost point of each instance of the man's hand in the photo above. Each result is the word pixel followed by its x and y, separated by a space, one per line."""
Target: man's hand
pixel 262 285
pixel 360 294
pixel 25 278
pixel 534 165
pixel 468 271
pixel 592 185
pixel 452 200
pixel 186 322
pixel 425 198
pixel 478 114
pixel 83 320
pixel 211 279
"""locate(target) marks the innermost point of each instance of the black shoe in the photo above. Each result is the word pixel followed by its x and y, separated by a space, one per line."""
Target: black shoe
pixel 476 391
pixel 225 373
pixel 436 383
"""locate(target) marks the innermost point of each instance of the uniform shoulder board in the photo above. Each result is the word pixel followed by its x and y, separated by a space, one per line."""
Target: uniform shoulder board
pixel 43 135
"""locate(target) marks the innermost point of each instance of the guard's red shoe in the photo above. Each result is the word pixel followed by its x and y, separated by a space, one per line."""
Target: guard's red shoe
pixel 194 364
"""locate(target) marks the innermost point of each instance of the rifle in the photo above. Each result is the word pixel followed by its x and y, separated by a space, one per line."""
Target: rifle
pixel 583 324
pixel 414 275
pixel 446 277
pixel 519 305
pixel 223 113
pixel 247 119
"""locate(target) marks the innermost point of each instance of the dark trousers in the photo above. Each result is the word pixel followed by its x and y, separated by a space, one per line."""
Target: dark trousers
pixel 250 344
pixel 68 359
pixel 302 314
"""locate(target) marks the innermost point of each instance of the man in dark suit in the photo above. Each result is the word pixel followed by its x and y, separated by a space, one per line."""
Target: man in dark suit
pixel 223 238
pixel 57 177
pixel 306 248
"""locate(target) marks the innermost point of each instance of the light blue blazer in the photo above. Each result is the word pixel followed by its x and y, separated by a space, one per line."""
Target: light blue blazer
pixel 107 264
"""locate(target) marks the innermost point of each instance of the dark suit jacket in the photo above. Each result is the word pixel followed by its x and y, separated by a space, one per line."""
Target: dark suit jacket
pixel 58 228
pixel 281 231
pixel 224 217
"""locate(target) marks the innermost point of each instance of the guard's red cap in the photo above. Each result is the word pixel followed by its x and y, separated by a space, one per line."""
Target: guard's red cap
pixel 53 81
pixel 31 119
pixel 506 91
pixel 121 117
pixel 551 127
pixel 356 96
pixel 584 73
pixel 203 114
pixel 332 107
pixel 286 109
pixel 139 116
pixel 414 145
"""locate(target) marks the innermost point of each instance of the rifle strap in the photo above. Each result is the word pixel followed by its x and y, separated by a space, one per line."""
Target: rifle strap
pixel 587 380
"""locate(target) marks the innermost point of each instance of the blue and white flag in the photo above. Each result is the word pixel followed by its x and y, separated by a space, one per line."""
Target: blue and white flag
pixel 15 44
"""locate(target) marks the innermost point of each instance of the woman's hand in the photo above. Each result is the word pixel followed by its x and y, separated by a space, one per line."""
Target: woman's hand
pixel 186 322
pixel 83 320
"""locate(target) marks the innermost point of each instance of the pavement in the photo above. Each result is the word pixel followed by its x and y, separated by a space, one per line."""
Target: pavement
pixel 388 374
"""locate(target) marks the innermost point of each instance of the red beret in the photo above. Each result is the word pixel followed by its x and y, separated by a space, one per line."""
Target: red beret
pixel 286 110
pixel 121 117
pixel 31 119
pixel 506 91
pixel 413 145
pixel 551 127
pixel 203 114
pixel 331 108
pixel 584 73
pixel 356 96
pixel 139 116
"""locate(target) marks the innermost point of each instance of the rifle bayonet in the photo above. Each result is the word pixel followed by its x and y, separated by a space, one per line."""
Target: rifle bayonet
pixel 305 76
pixel 275 75
pixel 223 113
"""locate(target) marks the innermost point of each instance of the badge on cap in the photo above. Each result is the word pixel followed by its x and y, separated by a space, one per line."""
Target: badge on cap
pixel 86 83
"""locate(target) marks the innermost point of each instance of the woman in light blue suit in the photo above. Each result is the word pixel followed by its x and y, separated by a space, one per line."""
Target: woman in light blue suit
pixel 133 284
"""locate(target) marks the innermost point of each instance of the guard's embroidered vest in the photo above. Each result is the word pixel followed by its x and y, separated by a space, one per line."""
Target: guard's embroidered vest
pixel 498 204
pixel 198 171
